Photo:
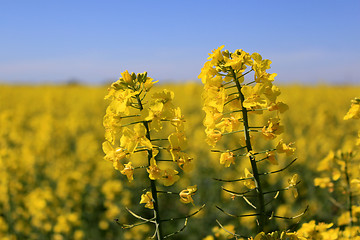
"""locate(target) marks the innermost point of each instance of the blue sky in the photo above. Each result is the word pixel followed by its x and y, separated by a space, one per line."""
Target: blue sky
pixel 94 41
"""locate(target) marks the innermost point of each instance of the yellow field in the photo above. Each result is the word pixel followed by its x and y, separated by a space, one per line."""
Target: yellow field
pixel 55 184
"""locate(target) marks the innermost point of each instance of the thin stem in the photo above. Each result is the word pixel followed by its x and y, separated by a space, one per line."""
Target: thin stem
pixel 260 160
pixel 230 86
pixel 234 234
pixel 246 74
pixel 266 151
pixel 257 109
pixel 167 192
pixel 232 132
pixel 237 216
pixel 184 217
pixel 350 197
pixel 250 83
pixel 234 180
pixel 237 193
pixel 132 123
pixel 234 93
pixel 275 197
pixel 139 167
pixel 222 151
pixel 280 170
pixel 236 98
pixel 178 231
pixel 237 149
pixel 282 189
pixel 129 116
pixel 261 208
pixel 225 113
pixel 158 226
pixel 159 139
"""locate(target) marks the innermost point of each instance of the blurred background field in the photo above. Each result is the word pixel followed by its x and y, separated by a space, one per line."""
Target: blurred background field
pixel 55 184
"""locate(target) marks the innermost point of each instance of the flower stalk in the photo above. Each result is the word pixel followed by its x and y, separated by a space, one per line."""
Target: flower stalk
pixel 124 139
pixel 158 227
pixel 258 186
pixel 228 106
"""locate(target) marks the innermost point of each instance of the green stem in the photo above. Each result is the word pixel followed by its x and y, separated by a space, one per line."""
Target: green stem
pixel 261 203
pixel 350 197
pixel 159 233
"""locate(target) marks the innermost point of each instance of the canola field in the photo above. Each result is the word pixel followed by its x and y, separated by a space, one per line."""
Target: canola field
pixel 56 184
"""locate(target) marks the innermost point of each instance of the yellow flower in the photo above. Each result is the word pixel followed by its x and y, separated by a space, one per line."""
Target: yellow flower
pixel 154 114
pixel 215 97
pixel 213 136
pixel 126 77
pixel 148 200
pixel 323 182
pixel 169 177
pixel 114 155
pixel 281 147
pixel 121 101
pixel 272 92
pixel 253 99
pixel 177 144
pixel 326 163
pixel 149 83
pixel 274 128
pixel 292 185
pixel 354 111
pixel 212 117
pixel 207 72
pixel 229 124
pixel 344 219
pixel 128 171
pixel 154 171
pixel 214 82
pixel 249 183
pixel 216 55
pixel 186 194
pixel 111 119
pixel 221 233
pixel 133 138
pixel 185 162
pixel 271 157
pixel 238 61
pixel 227 158
pixel 177 120
pixel 164 96
pixel 279 106
pixel 260 66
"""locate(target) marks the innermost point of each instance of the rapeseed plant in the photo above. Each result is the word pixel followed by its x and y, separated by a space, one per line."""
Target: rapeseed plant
pixel 340 176
pixel 145 120
pixel 228 101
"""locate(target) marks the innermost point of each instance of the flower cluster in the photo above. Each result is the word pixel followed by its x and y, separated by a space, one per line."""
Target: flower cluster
pixel 226 71
pixel 354 113
pixel 323 231
pixel 128 123
pixel 340 175
pixel 229 100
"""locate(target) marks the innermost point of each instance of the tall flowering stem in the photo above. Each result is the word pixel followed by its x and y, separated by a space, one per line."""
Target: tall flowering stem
pixel 228 102
pixel 129 121
pixel 340 175
pixel 258 187
pixel 158 228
